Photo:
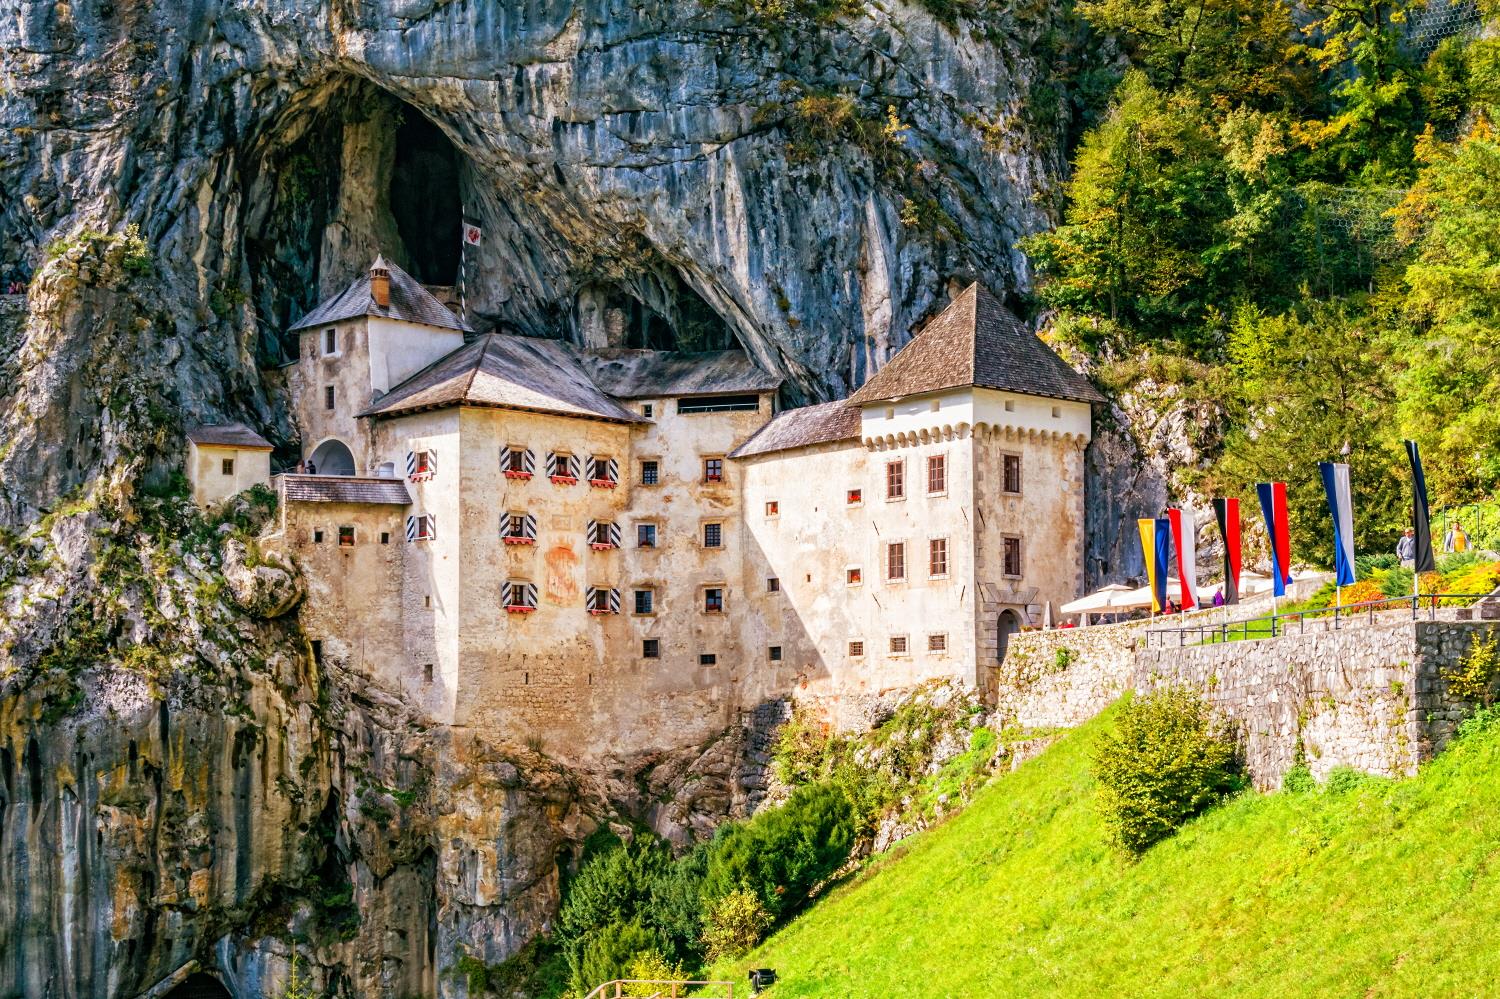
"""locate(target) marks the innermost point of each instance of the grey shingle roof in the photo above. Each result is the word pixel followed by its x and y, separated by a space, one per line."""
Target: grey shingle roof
pixel 508 371
pixel 343 489
pixel 228 435
pixel 976 341
pixel 410 302
pixel 820 424
pixel 643 374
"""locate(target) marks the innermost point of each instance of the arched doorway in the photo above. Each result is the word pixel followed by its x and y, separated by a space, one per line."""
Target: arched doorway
pixel 199 986
pixel 1008 624
pixel 333 457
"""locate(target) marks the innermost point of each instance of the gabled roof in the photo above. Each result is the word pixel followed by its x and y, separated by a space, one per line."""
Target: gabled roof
pixel 410 302
pixel 644 374
pixel 820 424
pixel 513 372
pixel 976 342
pixel 344 489
pixel 228 435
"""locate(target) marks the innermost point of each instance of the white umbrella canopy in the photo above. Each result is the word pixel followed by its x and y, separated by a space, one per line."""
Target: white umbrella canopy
pixel 1115 596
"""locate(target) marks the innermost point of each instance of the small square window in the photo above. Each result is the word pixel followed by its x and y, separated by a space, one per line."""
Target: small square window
pixel 327 396
pixel 317 536
pixel 346 537
pixel 898 645
pixel 895 480
pixel 645 535
pixel 707 659
pixel 1056 412
pixel 1012 478
pixel 648 410
pixel 856 648
pixel 330 341
pixel 650 473
pixel 385 537
pixel 854 575
pixel 651 648
pixel 645 601
pixel 713 535
pixel 854 497
pixel 937 643
pixel 427 673
pixel 895 560
pixel 425 528
pixel 516 462
pixel 1010 405
pixel 227 466
pixel 421 465
pixel 937 474
pixel 773 508
pixel 774 653
pixel 773 584
pixel 713 600
pixel 713 469
pixel 600 601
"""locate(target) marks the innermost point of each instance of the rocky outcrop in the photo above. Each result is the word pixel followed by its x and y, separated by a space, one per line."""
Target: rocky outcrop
pixel 267 589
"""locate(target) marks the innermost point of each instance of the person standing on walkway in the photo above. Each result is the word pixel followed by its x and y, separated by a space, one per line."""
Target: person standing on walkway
pixel 1406 548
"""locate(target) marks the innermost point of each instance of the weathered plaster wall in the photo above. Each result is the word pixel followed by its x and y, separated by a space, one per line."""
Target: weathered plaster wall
pixel 205 471
pixel 1370 697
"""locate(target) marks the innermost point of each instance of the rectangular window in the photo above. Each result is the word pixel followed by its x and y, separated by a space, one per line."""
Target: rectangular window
pixel 937 474
pixel 1012 483
pixel 603 535
pixel 518 596
pixel 422 528
pixel 517 463
pixel 895 480
pixel 427 673
pixel 385 537
pixel 317 536
pixel 720 404
pixel 937 557
pixel 603 471
pixel 518 528
pixel 773 508
pixel 346 537
pixel 895 560
pixel 898 645
pixel 713 469
pixel 713 599
pixel 651 648
pixel 648 410
pixel 774 653
pixel 853 576
pixel 645 535
pixel 856 648
pixel 599 601
pixel 650 473
pixel 713 535
pixel 937 643
pixel 422 466
pixel 854 497
pixel 1012 560
pixel 562 468
pixel 330 341
pixel 645 601
pixel 707 659
pixel 327 396
pixel 773 584
pixel 227 466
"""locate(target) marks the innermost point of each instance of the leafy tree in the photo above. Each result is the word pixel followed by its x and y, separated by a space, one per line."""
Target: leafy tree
pixel 735 924
pixel 610 951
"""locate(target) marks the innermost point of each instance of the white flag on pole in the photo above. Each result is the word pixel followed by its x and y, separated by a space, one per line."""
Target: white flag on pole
pixel 473 235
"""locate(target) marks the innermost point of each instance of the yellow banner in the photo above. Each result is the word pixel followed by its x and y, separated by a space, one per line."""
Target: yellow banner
pixel 1148 549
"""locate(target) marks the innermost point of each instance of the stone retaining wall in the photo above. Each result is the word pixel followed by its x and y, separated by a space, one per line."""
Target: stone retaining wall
pixel 1371 698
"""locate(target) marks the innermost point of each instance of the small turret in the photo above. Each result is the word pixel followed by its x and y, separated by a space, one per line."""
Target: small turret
pixel 380 282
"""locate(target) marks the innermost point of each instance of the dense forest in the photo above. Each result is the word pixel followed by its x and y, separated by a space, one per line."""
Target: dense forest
pixel 1291 215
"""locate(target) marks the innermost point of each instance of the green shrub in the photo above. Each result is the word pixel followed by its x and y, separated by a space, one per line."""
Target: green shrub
pixel 609 952
pixel 612 889
pixel 782 854
pixel 650 967
pixel 676 906
pixel 734 924
pixel 1170 759
pixel 1474 677
pixel 1298 780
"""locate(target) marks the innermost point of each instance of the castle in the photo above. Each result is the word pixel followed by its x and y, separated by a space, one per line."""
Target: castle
pixel 615 550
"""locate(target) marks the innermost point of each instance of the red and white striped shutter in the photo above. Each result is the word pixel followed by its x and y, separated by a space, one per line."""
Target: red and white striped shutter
pixel 614 534
pixel 528 462
pixel 529 594
pixel 411 529
pixel 573 466
pixel 528 526
pixel 411 466
pixel 612 470
pixel 614 601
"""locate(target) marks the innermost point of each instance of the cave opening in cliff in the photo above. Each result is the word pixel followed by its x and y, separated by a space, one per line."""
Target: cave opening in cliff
pixel 658 311
pixel 424 198
pixel 199 986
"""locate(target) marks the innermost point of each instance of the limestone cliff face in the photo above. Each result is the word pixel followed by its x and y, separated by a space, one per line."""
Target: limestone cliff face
pixel 179 785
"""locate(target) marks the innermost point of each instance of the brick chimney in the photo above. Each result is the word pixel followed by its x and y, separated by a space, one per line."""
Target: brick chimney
pixel 380 282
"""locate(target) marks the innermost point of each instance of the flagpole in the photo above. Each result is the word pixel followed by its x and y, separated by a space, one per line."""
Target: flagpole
pixel 463 247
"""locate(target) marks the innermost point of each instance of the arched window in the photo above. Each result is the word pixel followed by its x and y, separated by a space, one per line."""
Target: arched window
pixel 333 457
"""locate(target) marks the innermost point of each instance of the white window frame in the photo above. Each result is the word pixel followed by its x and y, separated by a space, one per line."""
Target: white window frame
pixel 905 650
pixel 898 463
pixel 854 582
pixel 927 467
pixel 947 558
pixel 941 636
pixel 905 569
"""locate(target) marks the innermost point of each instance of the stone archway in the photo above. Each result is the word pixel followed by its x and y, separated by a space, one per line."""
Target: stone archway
pixel 333 457
pixel 1006 625
pixel 199 986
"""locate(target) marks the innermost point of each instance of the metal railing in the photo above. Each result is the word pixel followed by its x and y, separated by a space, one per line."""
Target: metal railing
pixel 660 990
pixel 1295 622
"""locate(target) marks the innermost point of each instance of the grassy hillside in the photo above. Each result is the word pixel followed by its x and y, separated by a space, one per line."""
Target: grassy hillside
pixel 1365 888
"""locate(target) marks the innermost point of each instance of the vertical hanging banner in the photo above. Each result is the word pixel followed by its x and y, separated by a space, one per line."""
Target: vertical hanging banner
pixel 1184 536
pixel 1278 533
pixel 1227 513
pixel 1419 513
pixel 1341 506
pixel 1156 546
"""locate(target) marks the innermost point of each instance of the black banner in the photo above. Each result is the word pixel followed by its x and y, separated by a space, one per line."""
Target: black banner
pixel 1419 521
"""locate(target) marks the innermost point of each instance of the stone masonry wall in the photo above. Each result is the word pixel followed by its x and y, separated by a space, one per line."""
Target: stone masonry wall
pixel 1371 698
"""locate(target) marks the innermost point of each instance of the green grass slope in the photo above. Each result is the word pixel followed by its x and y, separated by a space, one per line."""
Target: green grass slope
pixel 1366 888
